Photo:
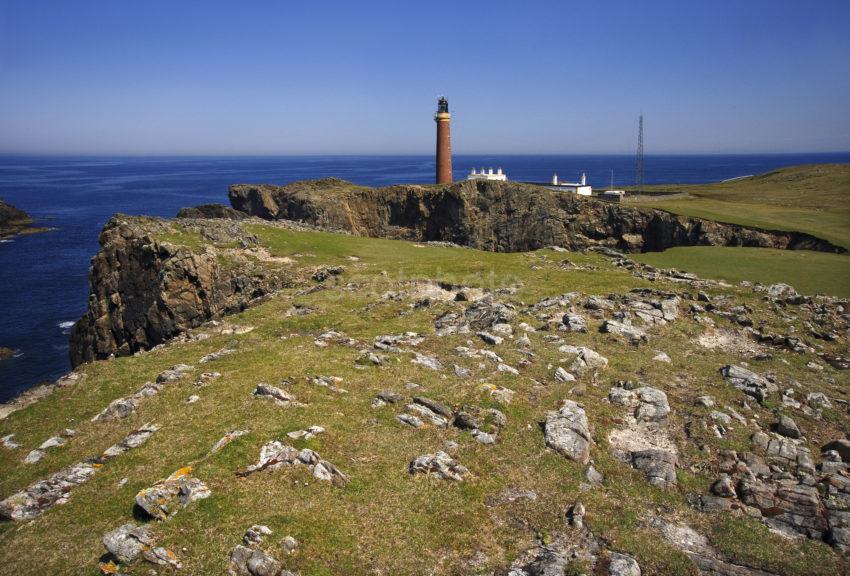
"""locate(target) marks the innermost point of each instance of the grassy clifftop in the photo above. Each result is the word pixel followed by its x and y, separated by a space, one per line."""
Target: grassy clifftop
pixel 320 342
pixel 811 198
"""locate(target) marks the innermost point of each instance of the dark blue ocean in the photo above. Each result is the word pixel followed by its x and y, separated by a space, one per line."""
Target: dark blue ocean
pixel 43 277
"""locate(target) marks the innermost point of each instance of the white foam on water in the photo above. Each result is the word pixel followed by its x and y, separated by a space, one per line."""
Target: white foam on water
pixel 66 326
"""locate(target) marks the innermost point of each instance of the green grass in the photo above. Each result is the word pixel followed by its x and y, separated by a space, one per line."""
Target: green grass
pixel 808 272
pixel 745 540
pixel 814 199
pixel 386 521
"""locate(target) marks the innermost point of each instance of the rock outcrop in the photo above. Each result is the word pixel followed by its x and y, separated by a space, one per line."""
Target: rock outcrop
pixel 497 216
pixel 145 290
pixel 211 211
pixel 14 221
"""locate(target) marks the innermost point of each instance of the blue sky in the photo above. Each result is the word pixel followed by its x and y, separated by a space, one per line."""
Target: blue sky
pixel 361 77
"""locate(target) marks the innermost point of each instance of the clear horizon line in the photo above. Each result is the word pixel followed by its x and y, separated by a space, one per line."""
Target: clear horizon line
pixel 396 154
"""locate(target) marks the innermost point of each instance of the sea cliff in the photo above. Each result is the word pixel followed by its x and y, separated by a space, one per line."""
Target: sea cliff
pixel 498 216
pixel 146 289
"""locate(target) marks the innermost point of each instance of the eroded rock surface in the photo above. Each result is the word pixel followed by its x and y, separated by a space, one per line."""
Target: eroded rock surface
pixel 439 465
pixel 167 497
pixel 496 216
pixel 275 454
pixel 145 291
pixel 567 432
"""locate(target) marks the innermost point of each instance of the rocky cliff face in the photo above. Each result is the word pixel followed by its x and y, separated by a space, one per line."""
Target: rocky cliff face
pixel 211 211
pixel 145 290
pixel 13 220
pixel 497 216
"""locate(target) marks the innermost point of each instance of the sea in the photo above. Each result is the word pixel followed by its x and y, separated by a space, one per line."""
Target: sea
pixel 43 277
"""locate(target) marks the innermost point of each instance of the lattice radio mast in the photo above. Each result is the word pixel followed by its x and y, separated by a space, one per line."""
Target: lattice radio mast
pixel 639 159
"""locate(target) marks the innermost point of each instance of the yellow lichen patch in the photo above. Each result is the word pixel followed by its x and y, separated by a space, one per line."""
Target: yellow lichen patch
pixel 108 568
pixel 185 471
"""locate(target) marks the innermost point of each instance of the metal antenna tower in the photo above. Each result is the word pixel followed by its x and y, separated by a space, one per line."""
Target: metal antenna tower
pixel 639 158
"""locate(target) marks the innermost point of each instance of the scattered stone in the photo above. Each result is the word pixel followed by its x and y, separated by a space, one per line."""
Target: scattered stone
pixel 428 361
pixel 52 442
pixel 162 557
pixel 128 541
pixel 818 400
pixel 410 420
pixel 275 454
pixel 490 338
pixel 390 396
pixel 298 310
pixel 787 427
pixel 721 417
pixel 594 476
pixel 324 272
pixel 174 373
pixel 653 405
pixel 325 339
pixel 598 303
pixel 434 406
pixel 44 494
pixel 724 487
pixel 502 367
pixel 8 443
pixel 567 432
pixel 133 440
pixel 329 382
pixel 307 434
pixel 117 409
pixel 165 498
pixel 123 407
pixel 633 333
pixel 575 515
pixel 439 465
pixel 621 396
pixel 56 489
pixel 662 357
pixel 216 355
pixel 280 397
pixel 486 313
pixel 246 561
pixel 587 361
pixel 462 372
pixel 192 399
pixel 33 457
pixel 562 375
pixel 227 439
pixel 574 323
pixel 841 446
pixel 705 401
pixel 205 378
pixel 658 465
pixel 499 393
pixel 623 565
pixel 390 343
pixel 748 382
pixel 289 544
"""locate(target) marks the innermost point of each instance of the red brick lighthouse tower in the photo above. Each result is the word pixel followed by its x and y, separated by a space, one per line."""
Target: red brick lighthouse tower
pixel 444 142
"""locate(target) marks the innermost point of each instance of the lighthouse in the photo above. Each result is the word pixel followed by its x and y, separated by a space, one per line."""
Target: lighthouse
pixel 444 142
